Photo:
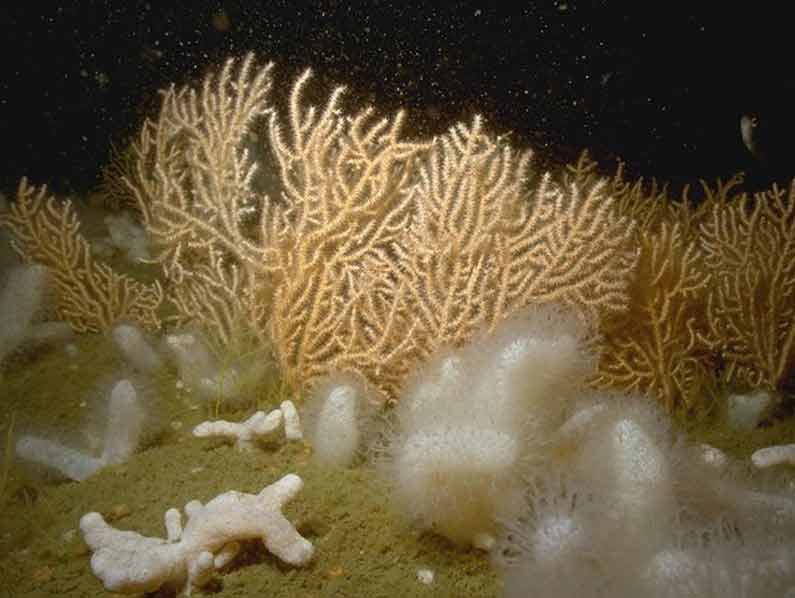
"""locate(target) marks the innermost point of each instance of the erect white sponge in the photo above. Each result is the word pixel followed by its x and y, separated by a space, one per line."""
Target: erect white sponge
pixel 20 299
pixel 774 455
pixel 338 438
pixel 130 563
pixel 292 422
pixel 334 416
pixel 124 425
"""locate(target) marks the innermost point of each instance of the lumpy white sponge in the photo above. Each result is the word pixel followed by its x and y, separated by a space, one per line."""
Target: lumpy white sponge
pixel 625 457
pixel 468 420
pixel 130 563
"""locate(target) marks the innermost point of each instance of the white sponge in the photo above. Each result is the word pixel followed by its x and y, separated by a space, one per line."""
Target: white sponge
pixel 336 417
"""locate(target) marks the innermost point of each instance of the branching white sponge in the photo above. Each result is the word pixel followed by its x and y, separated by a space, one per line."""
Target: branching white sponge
pixel 122 433
pixel 244 434
pixel 130 563
pixel 21 298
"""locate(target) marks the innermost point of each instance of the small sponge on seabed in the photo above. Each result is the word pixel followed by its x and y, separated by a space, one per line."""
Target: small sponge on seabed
pixel 337 417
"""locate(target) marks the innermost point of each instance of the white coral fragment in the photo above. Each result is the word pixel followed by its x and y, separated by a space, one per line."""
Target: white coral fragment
pixel 244 434
pixel 130 563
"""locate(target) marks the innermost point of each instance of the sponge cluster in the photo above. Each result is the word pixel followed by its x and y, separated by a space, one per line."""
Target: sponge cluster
pixel 469 421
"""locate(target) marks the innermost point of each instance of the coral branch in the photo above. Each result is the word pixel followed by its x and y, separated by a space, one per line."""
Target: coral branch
pixel 243 433
pixel 129 563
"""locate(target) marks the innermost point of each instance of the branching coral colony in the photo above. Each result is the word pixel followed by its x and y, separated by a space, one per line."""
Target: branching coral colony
pixel 346 249
pixel 373 251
